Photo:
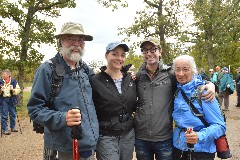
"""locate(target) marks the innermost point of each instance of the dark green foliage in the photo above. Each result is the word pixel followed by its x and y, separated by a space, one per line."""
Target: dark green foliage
pixel 24 26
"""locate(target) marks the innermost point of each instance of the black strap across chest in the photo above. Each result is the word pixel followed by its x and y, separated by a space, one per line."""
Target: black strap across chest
pixel 194 110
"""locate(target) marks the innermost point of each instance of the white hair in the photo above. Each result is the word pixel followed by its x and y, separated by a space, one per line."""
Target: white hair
pixel 188 58
pixel 8 72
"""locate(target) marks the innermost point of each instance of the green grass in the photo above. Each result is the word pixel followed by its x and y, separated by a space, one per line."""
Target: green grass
pixel 22 110
pixel 27 84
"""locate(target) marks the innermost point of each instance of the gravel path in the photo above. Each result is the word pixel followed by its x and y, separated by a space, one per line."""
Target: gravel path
pixel 28 145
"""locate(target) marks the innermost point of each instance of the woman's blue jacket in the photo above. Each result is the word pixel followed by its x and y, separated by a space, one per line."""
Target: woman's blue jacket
pixel 184 118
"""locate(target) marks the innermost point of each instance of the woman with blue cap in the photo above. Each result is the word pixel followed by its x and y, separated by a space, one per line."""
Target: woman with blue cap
pixel 114 95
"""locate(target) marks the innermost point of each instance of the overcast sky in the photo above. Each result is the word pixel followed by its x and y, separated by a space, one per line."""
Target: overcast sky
pixel 97 21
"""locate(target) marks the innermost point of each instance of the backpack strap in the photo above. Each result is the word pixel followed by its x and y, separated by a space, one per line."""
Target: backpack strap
pixel 58 73
pixel 193 109
pixel 85 68
pixel 57 79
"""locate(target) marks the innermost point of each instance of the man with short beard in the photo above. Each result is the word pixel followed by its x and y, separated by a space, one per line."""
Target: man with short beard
pixel 73 105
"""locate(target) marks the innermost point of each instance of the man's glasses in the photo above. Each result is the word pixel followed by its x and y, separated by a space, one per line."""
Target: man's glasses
pixel 152 50
pixel 71 40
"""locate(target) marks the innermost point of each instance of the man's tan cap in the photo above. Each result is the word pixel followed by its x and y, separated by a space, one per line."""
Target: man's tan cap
pixel 152 40
pixel 73 28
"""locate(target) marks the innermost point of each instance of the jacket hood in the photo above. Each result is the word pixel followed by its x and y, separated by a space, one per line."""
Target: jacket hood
pixel 194 83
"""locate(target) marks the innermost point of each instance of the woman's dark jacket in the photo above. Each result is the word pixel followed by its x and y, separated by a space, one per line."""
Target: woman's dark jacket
pixel 114 110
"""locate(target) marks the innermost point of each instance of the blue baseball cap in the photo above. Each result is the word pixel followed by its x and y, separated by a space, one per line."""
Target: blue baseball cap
pixel 225 68
pixel 113 45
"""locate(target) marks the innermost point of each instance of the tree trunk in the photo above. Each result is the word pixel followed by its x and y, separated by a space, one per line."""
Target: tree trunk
pixel 21 77
pixel 24 50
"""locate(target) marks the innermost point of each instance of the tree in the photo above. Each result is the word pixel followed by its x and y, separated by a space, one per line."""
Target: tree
pixel 216 35
pixel 212 38
pixel 29 28
pixel 134 59
pixel 95 64
pixel 114 4
pixel 159 19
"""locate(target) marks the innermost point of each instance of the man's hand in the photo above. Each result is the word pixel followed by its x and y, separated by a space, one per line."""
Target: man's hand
pixel 73 117
pixel 2 88
pixel 210 94
pixel 133 75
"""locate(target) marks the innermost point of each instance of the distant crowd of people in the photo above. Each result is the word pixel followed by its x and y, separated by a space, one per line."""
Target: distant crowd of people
pixel 224 84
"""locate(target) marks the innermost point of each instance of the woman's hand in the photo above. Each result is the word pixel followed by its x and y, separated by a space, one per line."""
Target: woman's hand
pixel 191 138
pixel 210 93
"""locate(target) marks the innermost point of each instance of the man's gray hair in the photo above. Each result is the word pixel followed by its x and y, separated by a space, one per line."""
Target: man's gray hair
pixel 188 58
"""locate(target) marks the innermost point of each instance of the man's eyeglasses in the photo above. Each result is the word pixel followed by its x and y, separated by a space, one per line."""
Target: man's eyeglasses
pixel 71 40
pixel 152 50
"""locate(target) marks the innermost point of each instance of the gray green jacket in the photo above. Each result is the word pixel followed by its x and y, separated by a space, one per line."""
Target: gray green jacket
pixel 153 119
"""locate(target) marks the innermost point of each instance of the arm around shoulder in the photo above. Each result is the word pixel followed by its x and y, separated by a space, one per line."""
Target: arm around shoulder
pixel 210 93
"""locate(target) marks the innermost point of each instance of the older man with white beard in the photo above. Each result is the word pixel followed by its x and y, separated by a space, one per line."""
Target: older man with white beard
pixel 72 53
pixel 72 107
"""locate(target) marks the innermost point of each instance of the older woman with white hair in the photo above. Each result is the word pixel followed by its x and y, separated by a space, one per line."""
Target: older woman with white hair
pixel 190 133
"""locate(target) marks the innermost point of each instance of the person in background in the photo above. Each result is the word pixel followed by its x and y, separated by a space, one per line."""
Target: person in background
pixel 211 73
pixel 226 88
pixel 8 98
pixel 155 91
pixel 204 75
pixel 1 102
pixel 238 87
pixel 114 95
pixel 218 73
pixel 202 137
pixel 216 79
pixel 73 106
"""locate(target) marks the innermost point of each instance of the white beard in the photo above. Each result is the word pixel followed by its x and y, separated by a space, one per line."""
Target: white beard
pixel 75 57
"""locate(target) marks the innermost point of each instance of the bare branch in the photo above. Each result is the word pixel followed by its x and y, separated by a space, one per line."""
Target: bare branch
pixel 151 4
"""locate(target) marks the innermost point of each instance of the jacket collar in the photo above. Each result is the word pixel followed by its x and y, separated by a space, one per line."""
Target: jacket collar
pixel 161 67
pixel 193 84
